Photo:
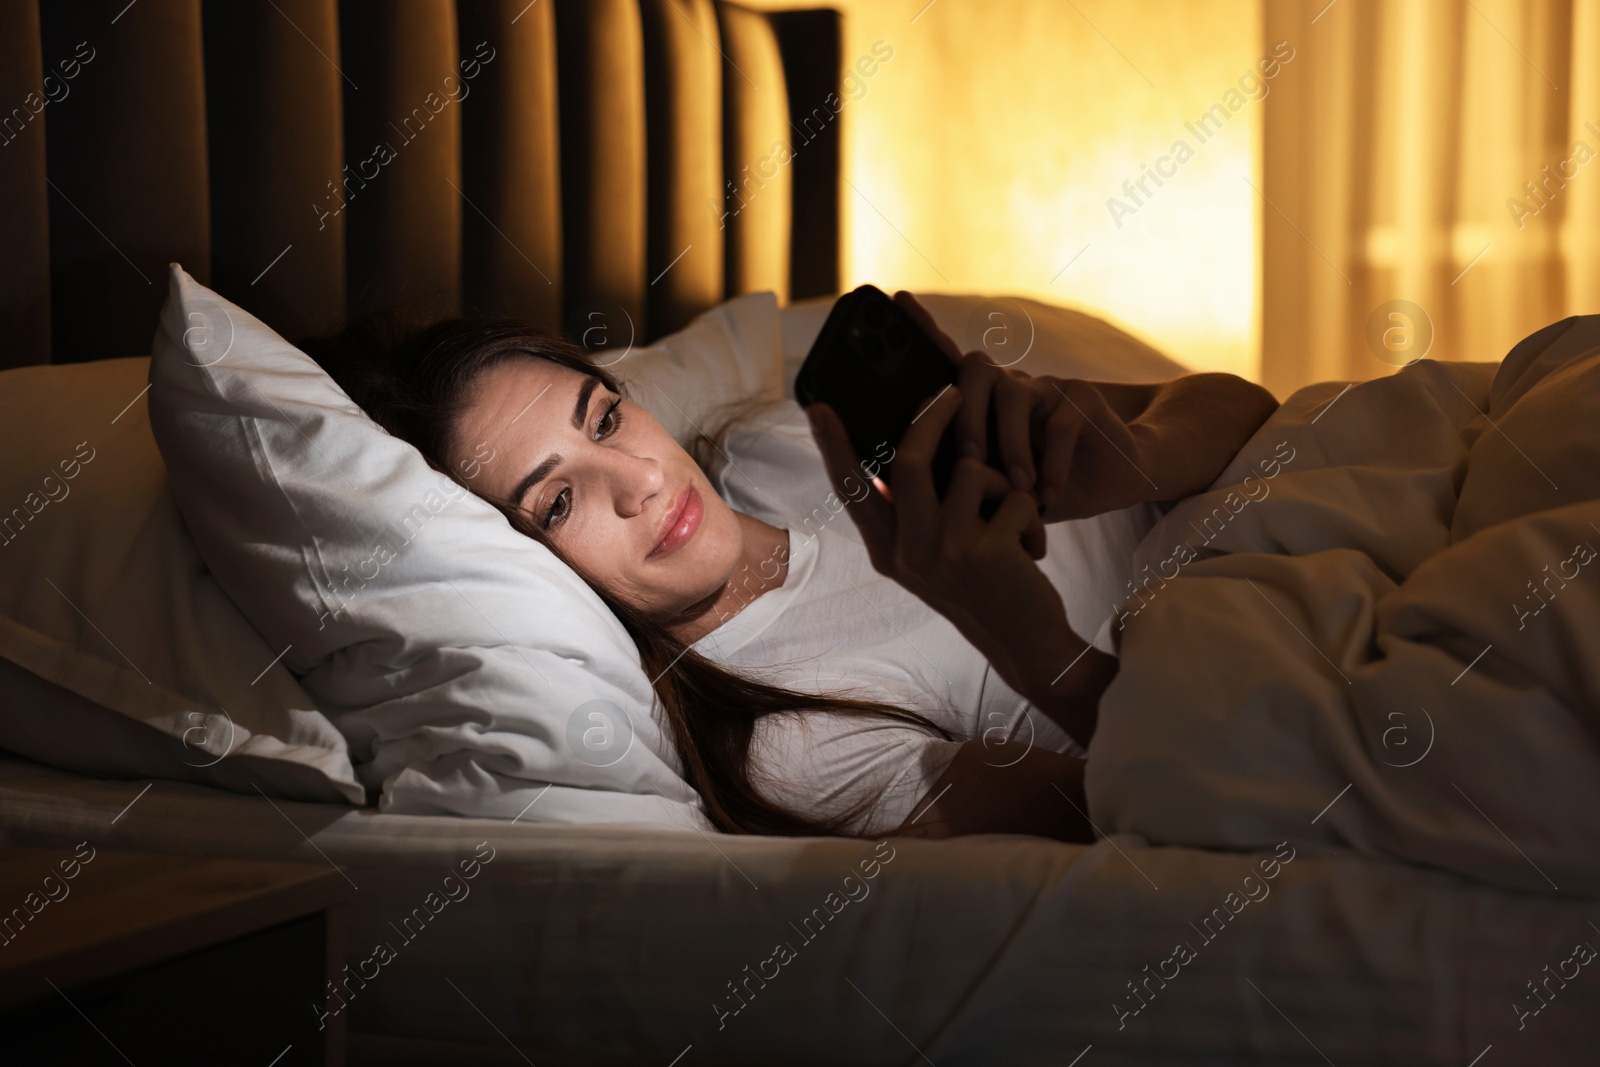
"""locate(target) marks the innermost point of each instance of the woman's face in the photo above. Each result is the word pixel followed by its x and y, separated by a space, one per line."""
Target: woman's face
pixel 610 488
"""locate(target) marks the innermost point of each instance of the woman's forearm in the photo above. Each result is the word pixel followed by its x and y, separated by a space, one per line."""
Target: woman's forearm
pixel 1192 428
pixel 1060 674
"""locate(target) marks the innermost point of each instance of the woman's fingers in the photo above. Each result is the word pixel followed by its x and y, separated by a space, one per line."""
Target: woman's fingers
pixel 873 515
pixel 972 483
pixel 1035 539
pixel 977 377
pixel 1059 447
pixel 1017 520
pixel 1089 463
pixel 916 501
pixel 1019 406
pixel 1015 400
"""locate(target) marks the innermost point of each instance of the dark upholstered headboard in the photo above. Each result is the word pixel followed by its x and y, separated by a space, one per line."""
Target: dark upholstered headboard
pixel 310 159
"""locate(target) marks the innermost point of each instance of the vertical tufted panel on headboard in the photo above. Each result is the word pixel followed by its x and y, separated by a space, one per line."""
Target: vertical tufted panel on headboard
pixel 127 165
pixel 24 196
pixel 600 51
pixel 510 162
pixel 683 110
pixel 756 154
pixel 811 43
pixel 276 133
pixel 402 151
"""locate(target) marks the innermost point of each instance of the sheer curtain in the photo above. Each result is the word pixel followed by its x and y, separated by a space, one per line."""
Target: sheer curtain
pixel 1430 179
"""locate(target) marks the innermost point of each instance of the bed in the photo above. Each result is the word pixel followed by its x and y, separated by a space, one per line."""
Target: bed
pixel 607 197
pixel 611 945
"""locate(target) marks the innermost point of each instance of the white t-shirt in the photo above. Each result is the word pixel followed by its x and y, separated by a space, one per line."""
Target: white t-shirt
pixel 836 626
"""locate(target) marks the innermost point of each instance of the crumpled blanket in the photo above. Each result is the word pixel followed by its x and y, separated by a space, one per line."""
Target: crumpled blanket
pixel 1379 630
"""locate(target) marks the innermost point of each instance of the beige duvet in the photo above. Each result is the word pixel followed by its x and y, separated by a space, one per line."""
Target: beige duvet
pixel 1379 630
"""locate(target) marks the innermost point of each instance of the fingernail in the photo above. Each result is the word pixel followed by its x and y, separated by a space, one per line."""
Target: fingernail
pixel 1019 477
pixel 970 449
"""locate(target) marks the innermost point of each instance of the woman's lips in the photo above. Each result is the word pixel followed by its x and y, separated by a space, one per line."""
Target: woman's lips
pixel 681 523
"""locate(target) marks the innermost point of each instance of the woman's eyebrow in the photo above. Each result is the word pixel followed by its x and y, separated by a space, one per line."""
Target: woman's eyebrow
pixel 580 416
pixel 580 410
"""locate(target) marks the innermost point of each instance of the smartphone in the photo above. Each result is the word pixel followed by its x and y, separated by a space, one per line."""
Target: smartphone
pixel 875 366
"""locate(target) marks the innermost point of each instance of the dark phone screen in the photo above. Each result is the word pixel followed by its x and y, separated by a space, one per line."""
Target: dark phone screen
pixel 873 365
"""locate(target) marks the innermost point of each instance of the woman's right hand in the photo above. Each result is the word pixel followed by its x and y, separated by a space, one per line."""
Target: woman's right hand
pixel 980 574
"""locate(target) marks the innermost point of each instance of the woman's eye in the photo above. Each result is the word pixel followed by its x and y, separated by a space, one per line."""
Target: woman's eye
pixel 559 508
pixel 611 421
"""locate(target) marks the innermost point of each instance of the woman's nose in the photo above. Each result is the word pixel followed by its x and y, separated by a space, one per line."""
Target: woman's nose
pixel 635 479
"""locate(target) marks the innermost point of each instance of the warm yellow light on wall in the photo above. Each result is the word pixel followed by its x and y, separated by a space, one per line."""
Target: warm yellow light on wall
pixel 982 156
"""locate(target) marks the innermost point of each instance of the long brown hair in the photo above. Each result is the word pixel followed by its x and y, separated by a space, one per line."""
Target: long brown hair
pixel 414 379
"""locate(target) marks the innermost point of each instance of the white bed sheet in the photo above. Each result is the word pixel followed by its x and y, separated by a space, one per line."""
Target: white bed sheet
pixel 612 944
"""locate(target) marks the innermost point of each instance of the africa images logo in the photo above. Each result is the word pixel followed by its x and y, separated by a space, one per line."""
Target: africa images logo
pixel 599 733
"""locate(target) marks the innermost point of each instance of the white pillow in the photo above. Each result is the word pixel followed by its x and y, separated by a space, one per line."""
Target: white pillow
pixel 688 380
pixel 125 658
pixel 467 666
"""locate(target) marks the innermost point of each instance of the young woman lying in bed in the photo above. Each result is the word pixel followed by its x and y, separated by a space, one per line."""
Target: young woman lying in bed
pixel 913 733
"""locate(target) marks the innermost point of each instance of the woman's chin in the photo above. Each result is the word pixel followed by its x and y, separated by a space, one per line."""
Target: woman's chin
pixel 701 567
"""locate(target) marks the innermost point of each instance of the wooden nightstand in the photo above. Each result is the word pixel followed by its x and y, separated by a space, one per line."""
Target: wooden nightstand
pixel 135 957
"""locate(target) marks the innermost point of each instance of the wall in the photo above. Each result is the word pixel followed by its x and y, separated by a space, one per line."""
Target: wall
pixel 981 157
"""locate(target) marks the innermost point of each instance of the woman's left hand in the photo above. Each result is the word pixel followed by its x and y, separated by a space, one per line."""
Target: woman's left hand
pixel 1058 438
pixel 1083 448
